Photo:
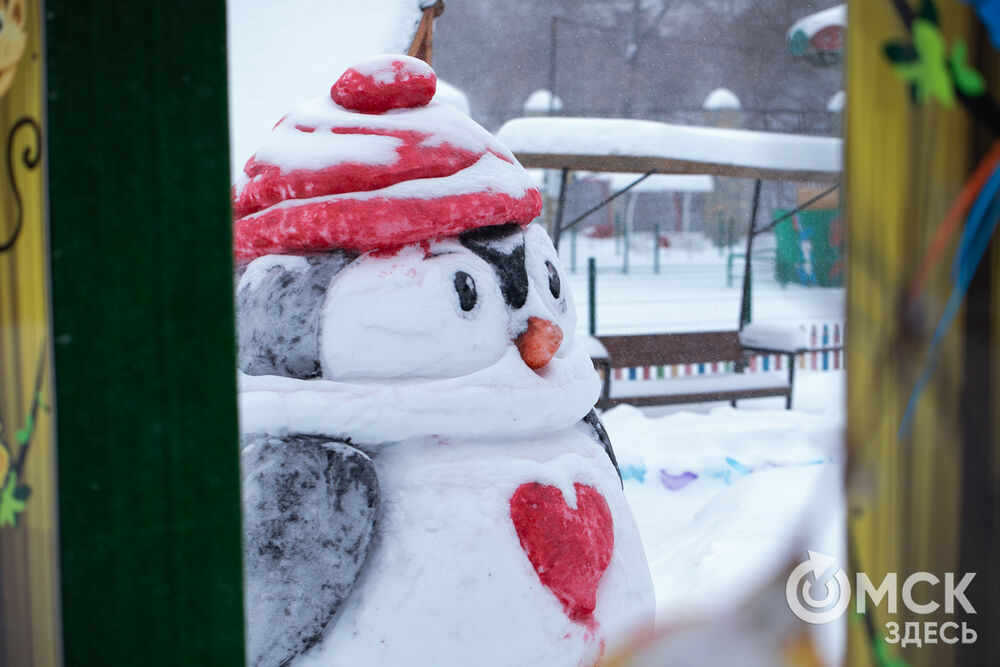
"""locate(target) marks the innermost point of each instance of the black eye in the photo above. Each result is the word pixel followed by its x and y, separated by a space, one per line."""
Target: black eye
pixel 554 285
pixel 466 288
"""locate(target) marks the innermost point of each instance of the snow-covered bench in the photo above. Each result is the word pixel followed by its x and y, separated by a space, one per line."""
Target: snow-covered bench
pixel 655 350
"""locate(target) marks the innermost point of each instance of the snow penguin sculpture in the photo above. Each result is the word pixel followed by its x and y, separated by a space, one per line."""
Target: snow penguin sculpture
pixel 425 481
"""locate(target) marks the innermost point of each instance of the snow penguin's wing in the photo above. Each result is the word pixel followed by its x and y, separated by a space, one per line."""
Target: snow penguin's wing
pixel 593 426
pixel 309 513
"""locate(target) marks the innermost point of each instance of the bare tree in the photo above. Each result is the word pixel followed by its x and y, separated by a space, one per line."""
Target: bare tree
pixel 642 21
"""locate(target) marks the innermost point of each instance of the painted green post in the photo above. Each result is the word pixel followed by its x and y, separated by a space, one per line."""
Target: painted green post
pixel 592 294
pixel 142 262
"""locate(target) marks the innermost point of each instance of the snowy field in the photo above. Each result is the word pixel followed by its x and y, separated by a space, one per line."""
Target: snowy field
pixel 695 289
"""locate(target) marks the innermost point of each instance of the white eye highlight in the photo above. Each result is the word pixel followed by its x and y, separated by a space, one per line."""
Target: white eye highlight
pixel 465 286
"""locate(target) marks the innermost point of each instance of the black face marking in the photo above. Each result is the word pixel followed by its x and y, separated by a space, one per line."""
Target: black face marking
pixel 488 243
pixel 466 288
pixel 555 285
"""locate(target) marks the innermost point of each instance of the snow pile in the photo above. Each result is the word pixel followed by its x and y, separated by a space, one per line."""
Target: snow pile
pixel 836 102
pixel 721 98
pixel 541 102
pixel 449 94
pixel 774 336
pixel 641 138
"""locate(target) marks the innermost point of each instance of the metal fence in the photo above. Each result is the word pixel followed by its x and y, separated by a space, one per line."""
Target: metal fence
pixel 702 292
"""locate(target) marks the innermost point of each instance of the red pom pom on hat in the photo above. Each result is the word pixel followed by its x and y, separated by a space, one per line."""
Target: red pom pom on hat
pixel 379 84
pixel 376 165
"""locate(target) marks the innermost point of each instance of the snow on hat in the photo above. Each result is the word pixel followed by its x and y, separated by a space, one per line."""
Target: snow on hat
pixel 375 165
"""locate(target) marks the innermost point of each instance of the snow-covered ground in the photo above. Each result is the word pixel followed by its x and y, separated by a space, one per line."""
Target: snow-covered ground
pixel 724 498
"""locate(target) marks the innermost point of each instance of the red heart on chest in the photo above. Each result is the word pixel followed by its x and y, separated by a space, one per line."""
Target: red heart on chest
pixel 569 548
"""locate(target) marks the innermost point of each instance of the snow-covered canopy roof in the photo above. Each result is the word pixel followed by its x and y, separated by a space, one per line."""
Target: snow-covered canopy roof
pixel 538 102
pixel 281 55
pixel 721 98
pixel 449 94
pixel 638 146
pixel 836 102
pixel 656 182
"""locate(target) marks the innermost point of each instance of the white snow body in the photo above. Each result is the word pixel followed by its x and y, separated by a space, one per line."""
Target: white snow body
pixel 447 581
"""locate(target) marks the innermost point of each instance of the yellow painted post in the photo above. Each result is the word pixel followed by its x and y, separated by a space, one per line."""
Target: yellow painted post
pixel 29 605
pixel 905 165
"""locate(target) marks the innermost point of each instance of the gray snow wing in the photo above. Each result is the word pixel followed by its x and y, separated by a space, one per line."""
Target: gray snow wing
pixel 309 513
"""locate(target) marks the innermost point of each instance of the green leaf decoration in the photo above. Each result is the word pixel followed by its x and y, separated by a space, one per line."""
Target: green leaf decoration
pixel 929 73
pixel 901 52
pixel 967 79
pixel 23 435
pixel 10 505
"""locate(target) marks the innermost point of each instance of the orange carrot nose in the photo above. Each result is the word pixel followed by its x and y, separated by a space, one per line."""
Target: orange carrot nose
pixel 539 343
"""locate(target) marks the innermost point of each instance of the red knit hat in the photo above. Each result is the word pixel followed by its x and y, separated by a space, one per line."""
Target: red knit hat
pixel 375 165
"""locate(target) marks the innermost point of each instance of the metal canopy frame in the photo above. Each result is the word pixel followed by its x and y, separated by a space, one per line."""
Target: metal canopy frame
pixel 637 164
pixel 647 166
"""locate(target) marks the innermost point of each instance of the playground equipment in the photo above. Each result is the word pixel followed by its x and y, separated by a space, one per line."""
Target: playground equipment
pixel 648 148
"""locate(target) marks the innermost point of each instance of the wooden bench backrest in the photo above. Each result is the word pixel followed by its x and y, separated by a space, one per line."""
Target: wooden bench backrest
pixel 669 349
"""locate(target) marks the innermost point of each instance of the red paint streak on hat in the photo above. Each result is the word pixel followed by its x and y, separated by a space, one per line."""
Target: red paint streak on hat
pixel 376 223
pixel 269 184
